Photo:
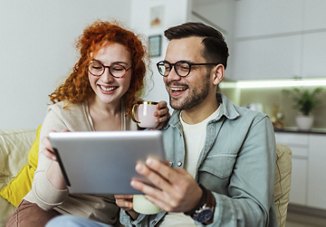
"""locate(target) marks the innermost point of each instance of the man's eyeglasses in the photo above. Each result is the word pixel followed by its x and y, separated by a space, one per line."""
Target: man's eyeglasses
pixel 117 70
pixel 182 68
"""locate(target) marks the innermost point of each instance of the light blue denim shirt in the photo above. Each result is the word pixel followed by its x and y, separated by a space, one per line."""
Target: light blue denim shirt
pixel 236 163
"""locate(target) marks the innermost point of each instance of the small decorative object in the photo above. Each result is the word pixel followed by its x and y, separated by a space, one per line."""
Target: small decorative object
pixel 156 16
pixel 155 45
pixel 305 101
pixel 277 117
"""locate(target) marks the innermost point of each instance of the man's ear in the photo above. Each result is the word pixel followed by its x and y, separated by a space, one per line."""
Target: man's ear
pixel 218 74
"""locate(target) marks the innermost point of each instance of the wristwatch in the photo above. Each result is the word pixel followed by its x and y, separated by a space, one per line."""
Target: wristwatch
pixel 204 211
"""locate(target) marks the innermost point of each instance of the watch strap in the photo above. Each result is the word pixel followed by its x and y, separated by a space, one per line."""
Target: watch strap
pixel 207 201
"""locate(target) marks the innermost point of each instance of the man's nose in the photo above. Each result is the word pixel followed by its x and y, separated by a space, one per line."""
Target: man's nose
pixel 173 75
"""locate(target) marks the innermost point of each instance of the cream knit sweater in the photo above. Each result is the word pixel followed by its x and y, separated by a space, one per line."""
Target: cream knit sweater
pixel 74 117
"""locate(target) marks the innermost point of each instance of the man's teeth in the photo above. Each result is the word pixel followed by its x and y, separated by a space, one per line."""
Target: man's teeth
pixel 178 88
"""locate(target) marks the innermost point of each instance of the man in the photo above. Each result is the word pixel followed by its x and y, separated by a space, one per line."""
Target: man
pixel 222 156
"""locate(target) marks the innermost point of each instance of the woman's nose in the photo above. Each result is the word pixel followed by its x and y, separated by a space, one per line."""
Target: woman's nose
pixel 107 76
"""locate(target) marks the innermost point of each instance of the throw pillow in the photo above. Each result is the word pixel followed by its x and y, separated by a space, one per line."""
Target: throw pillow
pixel 20 185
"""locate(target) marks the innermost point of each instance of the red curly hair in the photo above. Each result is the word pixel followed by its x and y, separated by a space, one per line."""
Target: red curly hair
pixel 76 88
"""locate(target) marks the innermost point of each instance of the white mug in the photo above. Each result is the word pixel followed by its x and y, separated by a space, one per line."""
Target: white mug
pixel 144 206
pixel 143 114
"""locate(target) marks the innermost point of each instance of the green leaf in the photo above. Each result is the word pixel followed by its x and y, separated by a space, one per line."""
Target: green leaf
pixel 304 100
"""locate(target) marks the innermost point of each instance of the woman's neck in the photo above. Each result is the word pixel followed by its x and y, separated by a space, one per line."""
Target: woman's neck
pixel 105 117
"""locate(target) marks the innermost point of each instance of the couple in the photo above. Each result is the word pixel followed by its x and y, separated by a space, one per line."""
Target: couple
pixel 222 155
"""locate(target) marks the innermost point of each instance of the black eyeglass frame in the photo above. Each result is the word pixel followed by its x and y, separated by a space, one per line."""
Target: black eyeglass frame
pixel 172 65
pixel 108 67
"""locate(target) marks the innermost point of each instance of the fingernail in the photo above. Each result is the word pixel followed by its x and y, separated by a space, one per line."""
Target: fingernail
pixel 149 161
pixel 139 167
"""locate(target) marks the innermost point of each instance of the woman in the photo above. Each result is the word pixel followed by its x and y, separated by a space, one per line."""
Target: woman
pixel 98 95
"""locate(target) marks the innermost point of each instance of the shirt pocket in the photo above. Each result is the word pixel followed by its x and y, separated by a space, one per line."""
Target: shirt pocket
pixel 219 165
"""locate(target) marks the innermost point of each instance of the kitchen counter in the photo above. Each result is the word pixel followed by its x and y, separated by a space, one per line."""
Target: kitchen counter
pixel 296 130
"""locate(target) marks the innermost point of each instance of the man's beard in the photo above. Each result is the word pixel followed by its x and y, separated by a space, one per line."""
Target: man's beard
pixel 196 96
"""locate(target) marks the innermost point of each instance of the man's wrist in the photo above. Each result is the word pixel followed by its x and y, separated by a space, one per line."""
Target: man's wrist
pixel 199 204
pixel 204 211
pixel 132 214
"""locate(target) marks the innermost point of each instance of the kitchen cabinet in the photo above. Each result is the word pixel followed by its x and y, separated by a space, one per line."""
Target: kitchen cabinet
pixel 298 144
pixel 308 181
pixel 279 39
pixel 314 15
pixel 267 58
pixel 317 171
pixel 314 54
pixel 258 18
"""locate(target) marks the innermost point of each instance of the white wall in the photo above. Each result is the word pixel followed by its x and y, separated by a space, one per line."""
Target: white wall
pixel 219 14
pixel 37 48
pixel 37 41
pixel 172 14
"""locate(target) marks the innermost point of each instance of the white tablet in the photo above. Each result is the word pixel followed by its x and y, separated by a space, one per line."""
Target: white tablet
pixel 104 162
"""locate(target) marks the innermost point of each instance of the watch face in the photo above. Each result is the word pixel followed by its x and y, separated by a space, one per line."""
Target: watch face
pixel 204 215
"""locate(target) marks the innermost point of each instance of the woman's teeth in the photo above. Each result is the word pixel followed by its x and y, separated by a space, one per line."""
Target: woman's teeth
pixel 107 88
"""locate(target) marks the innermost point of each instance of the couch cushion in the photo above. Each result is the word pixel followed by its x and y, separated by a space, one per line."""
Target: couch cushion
pixel 282 184
pixel 20 183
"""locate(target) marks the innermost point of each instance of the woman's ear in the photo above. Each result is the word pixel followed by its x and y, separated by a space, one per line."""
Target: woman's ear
pixel 218 74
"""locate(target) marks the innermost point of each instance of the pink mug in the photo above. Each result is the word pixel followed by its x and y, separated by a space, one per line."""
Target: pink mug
pixel 143 114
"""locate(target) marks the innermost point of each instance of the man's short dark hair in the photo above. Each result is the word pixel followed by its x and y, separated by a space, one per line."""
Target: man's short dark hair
pixel 215 47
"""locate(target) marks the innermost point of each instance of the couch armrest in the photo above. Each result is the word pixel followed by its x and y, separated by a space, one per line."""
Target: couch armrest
pixel 14 147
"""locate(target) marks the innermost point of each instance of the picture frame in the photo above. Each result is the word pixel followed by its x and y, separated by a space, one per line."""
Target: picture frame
pixel 155 45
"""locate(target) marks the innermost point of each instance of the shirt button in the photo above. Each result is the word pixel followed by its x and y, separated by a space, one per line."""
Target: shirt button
pixel 179 164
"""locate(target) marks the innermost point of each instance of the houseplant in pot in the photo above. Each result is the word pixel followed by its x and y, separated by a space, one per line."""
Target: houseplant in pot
pixel 305 101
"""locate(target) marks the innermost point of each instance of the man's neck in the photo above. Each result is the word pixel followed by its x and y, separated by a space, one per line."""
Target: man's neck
pixel 199 112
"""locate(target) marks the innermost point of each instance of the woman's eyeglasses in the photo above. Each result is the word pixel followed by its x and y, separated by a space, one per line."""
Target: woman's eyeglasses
pixel 117 70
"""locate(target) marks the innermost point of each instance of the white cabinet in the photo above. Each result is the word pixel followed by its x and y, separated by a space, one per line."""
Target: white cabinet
pixel 257 17
pixel 317 171
pixel 299 147
pixel 314 14
pixel 267 58
pixel 278 39
pixel 299 181
pixel 314 54
pixel 308 181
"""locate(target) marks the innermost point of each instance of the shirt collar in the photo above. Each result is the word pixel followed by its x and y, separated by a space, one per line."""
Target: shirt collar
pixel 228 109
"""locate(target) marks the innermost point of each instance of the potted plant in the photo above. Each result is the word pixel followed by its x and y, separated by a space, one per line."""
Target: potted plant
pixel 305 101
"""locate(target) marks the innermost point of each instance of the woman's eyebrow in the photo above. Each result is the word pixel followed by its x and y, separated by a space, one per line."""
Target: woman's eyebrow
pixel 114 62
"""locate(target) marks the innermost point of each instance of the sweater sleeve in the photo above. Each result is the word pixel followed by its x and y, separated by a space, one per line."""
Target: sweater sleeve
pixel 43 193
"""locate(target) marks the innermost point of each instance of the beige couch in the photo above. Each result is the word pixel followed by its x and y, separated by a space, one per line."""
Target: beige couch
pixel 14 147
